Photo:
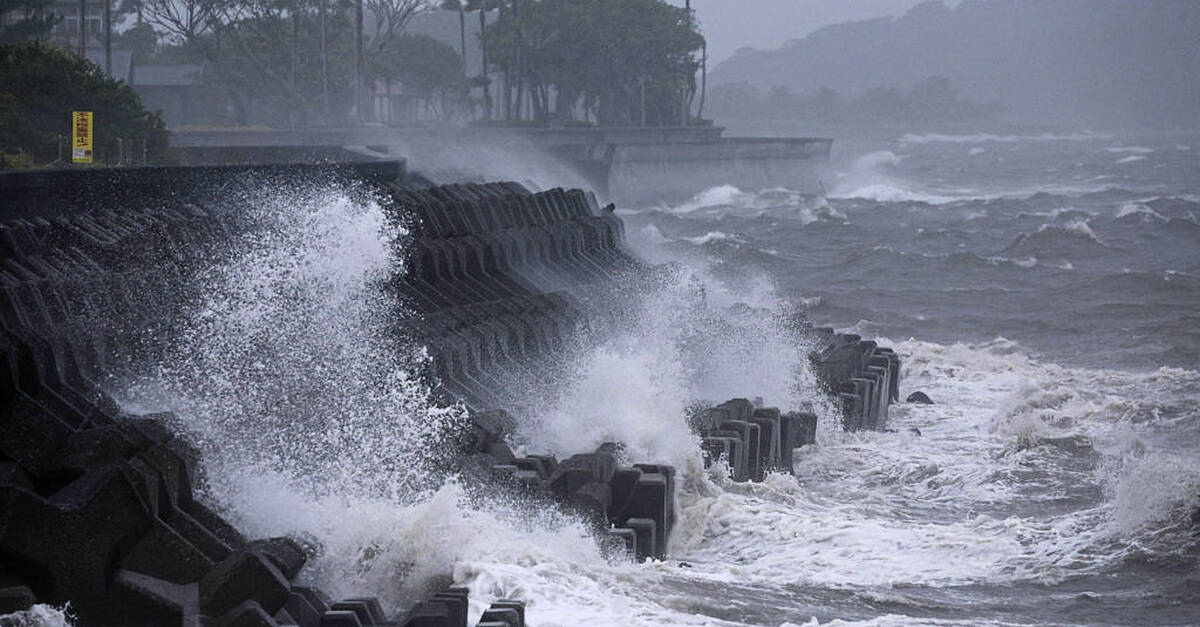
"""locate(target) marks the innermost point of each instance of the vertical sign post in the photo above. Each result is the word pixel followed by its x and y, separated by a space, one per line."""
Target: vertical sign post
pixel 81 132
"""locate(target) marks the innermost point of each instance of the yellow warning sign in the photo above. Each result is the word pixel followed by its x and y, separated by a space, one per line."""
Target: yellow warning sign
pixel 81 146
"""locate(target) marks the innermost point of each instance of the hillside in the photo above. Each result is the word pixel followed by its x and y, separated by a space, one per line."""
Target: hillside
pixel 1095 62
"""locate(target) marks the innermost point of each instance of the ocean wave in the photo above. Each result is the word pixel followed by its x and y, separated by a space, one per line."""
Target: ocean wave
pixel 936 138
pixel 908 522
pixel 872 178
pixel 1055 240
pixel 1075 227
pixel 1054 214
pixel 711 236
pixel 1027 262
pixel 720 196
pixel 651 235
pixel 884 192
pixel 1132 159
pixel 1146 214
pixel 822 212
pixel 1137 150
pixel 725 197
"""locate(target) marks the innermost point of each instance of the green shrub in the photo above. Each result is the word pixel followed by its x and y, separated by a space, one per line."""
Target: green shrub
pixel 41 84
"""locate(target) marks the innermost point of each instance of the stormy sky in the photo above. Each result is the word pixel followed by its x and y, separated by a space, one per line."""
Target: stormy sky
pixel 767 24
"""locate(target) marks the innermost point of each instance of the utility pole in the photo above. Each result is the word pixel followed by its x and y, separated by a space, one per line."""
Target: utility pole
pixel 685 107
pixel 82 29
pixel 487 90
pixel 324 59
pixel 358 61
pixel 462 34
pixel 703 78
pixel 108 37
pixel 642 100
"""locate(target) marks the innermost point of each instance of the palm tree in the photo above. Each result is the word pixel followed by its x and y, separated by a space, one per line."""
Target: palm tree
pixel 483 6
pixel 457 5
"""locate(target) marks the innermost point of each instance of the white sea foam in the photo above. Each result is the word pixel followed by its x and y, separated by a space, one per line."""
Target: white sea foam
pixel 949 507
pixel 651 235
pixel 720 196
pixel 1056 213
pixel 1027 262
pixel 881 509
pixel 976 151
pixel 1132 159
pixel 726 197
pixel 39 616
pixel 322 420
pixel 872 177
pixel 980 138
pixel 635 387
pixel 1136 150
pixel 1138 209
pixel 711 236
pixel 1078 228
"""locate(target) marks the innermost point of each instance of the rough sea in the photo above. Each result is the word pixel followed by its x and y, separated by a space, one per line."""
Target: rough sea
pixel 1044 290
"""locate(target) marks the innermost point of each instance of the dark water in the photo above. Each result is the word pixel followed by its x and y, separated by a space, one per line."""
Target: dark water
pixel 1045 290
pixel 1086 250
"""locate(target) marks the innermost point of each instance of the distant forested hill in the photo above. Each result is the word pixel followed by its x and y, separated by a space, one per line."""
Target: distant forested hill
pixel 1093 62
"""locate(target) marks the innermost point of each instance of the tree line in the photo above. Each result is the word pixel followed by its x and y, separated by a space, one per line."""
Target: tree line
pixel 613 63
pixel 303 62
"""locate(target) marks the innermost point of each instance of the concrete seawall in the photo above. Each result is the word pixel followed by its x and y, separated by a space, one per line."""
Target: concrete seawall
pixel 623 165
pixel 98 505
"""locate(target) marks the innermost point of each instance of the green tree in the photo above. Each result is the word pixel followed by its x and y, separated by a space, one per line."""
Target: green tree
pixel 625 62
pixel 22 20
pixel 40 85
pixel 429 70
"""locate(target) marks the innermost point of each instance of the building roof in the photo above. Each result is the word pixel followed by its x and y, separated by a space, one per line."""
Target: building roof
pixel 174 75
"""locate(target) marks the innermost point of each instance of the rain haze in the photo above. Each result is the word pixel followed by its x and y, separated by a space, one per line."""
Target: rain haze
pixel 558 313
pixel 767 24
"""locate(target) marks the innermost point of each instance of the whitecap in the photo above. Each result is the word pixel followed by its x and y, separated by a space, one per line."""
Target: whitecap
pixel 711 236
pixel 651 235
pixel 980 138
pixel 1137 150
pixel 1132 159
pixel 719 196
pixel 1138 209
pixel 1027 262
pixel 1077 228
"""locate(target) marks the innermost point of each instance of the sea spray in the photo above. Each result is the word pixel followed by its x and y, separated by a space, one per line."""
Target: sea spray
pixel 308 408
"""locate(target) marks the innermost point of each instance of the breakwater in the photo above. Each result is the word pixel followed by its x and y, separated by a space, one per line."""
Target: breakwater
pixel 100 506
